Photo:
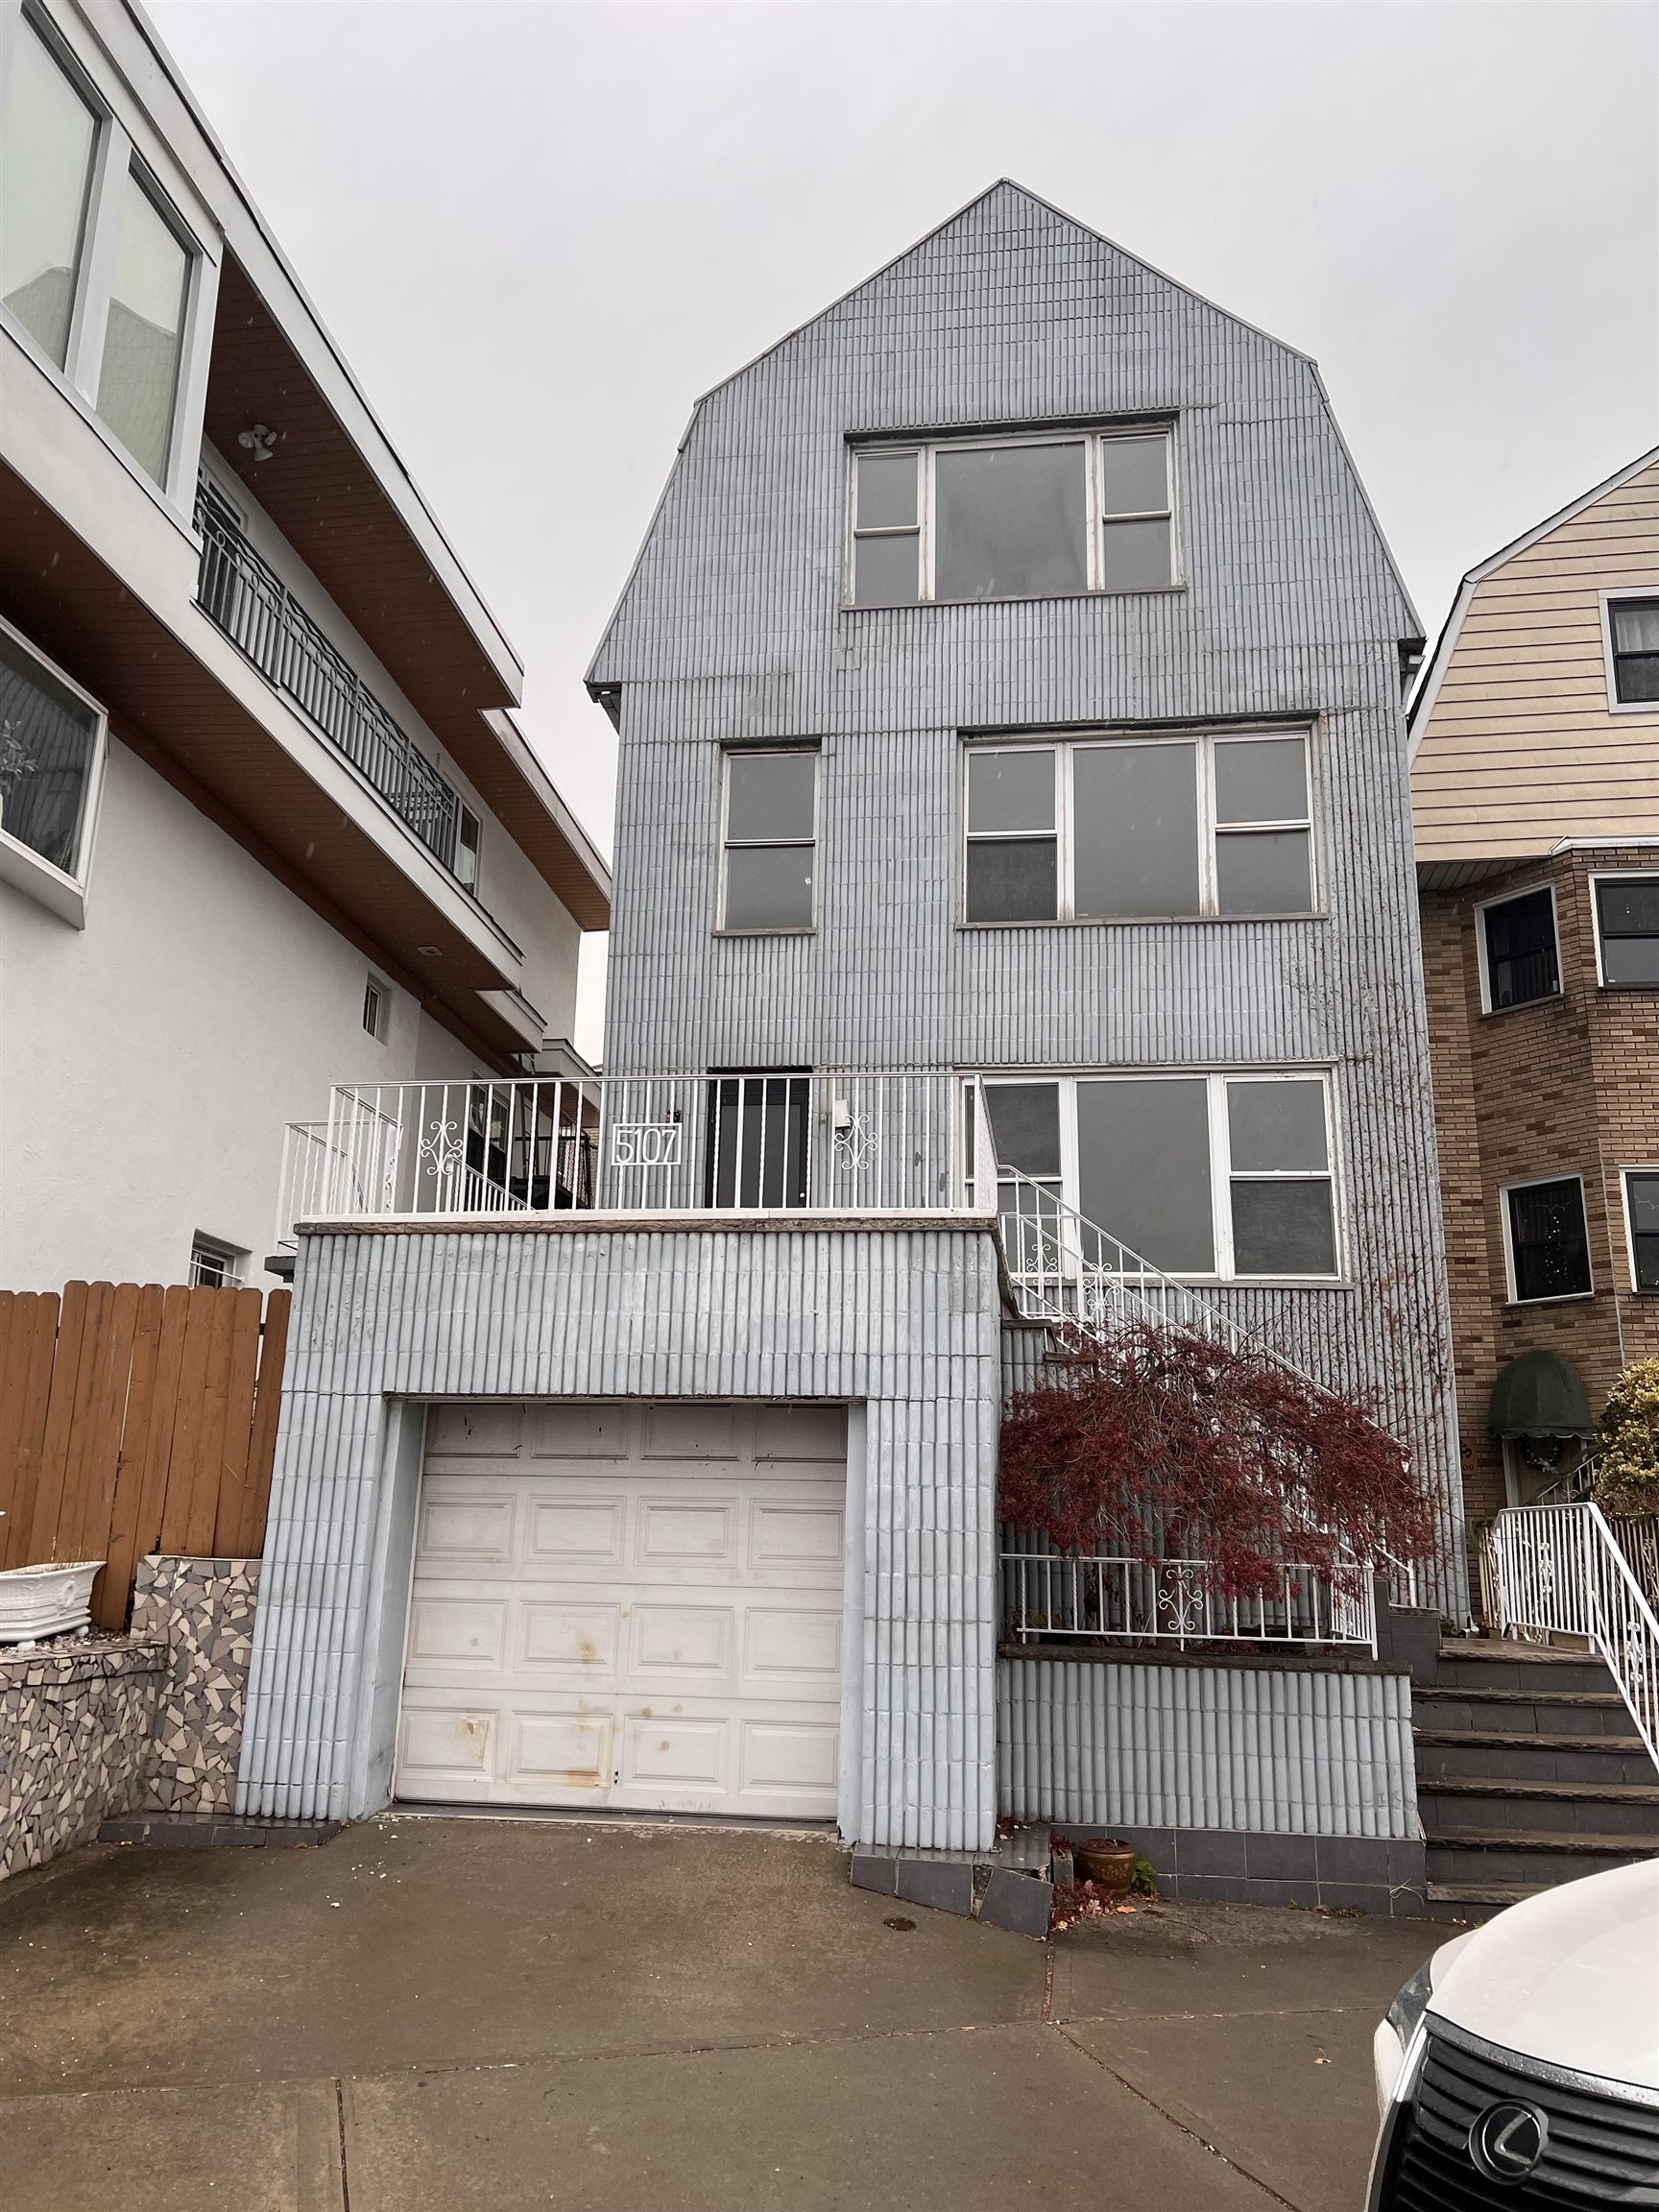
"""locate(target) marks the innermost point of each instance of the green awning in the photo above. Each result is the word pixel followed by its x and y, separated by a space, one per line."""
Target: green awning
pixel 1540 1394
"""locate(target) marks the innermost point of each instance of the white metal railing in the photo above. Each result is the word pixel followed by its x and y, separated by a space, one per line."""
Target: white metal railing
pixel 1171 1601
pixel 1560 1569
pixel 850 1141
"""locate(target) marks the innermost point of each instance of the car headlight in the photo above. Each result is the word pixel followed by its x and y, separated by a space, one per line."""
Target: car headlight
pixel 1413 2002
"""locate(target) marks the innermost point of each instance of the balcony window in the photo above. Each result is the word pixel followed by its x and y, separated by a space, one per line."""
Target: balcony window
pixel 771 840
pixel 1218 1175
pixel 51 751
pixel 1020 518
pixel 469 841
pixel 1126 829
pixel 1549 1248
pixel 1627 929
pixel 1519 959
pixel 1633 640
pixel 142 339
pixel 759 1135
pixel 48 135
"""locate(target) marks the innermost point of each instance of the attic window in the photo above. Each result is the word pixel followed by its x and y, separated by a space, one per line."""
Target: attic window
pixel 1634 627
pixel 1030 518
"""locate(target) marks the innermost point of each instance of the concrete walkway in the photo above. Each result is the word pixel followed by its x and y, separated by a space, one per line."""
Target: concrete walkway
pixel 481 2016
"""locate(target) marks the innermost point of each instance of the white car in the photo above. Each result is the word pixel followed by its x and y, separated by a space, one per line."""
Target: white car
pixel 1518 2067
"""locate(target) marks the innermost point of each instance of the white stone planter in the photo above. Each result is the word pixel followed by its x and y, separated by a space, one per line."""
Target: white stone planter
pixel 53 1599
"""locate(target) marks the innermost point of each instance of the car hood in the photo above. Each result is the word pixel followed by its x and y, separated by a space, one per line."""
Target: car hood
pixel 1570 1976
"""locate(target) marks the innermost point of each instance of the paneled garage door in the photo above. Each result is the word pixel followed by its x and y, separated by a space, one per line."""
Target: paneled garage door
pixel 636 1606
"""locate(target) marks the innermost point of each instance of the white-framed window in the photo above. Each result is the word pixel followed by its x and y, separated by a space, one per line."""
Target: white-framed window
pixel 469 846
pixel 216 1266
pixel 99 272
pixel 1631 642
pixel 1626 909
pixel 1545 1242
pixel 1641 1189
pixel 1137 826
pixel 769 839
pixel 53 738
pixel 1030 514
pixel 1223 1175
pixel 1517 948
pixel 377 1007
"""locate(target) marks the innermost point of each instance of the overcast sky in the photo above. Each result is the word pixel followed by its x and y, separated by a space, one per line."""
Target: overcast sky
pixel 538 231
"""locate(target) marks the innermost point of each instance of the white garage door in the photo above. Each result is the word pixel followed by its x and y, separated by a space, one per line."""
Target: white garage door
pixel 636 1606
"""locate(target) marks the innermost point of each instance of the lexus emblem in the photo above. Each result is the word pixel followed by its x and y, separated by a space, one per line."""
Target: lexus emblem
pixel 1508 2141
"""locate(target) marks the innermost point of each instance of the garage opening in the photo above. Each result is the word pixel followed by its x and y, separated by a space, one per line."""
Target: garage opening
pixel 630 1605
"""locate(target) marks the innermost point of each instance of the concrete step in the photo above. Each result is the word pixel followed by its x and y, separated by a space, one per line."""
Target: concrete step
pixel 1531 1711
pixel 1529 1858
pixel 1482 1801
pixel 1469 1663
pixel 1496 1754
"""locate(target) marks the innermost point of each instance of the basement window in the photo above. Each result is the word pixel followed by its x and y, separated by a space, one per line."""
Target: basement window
pixel 216 1266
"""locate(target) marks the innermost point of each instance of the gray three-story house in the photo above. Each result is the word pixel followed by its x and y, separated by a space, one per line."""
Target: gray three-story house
pixel 1014 910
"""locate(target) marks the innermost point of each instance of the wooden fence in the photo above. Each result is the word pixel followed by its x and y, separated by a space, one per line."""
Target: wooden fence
pixel 136 1419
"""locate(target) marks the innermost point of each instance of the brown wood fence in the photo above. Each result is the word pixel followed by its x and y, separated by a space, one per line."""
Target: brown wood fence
pixel 136 1419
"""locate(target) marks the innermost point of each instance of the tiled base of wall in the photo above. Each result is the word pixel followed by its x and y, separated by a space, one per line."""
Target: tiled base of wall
pixel 74 1721
pixel 204 1608
pixel 1238 1866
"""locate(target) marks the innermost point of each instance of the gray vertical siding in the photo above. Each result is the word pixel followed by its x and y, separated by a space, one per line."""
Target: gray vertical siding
pixel 1303 1752
pixel 731 628
pixel 905 1322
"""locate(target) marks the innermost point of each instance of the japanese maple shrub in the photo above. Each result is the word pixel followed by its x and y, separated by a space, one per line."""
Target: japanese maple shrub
pixel 1161 1443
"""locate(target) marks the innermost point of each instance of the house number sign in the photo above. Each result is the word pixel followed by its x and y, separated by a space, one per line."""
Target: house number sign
pixel 645 1144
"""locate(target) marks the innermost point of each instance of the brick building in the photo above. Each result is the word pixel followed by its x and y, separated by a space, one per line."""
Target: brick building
pixel 1535 798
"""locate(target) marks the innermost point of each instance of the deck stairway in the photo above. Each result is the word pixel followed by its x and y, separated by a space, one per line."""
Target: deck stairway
pixel 1529 1773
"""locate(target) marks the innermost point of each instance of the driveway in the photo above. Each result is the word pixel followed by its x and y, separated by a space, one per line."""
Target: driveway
pixel 460 2014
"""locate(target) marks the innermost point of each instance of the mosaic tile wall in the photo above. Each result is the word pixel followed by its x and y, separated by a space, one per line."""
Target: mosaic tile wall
pixel 75 1717
pixel 204 1608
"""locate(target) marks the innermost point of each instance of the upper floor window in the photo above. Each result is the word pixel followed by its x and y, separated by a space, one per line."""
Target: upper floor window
pixel 1549 1248
pixel 1121 829
pixel 1201 1174
pixel 51 754
pixel 1642 1215
pixel 769 840
pixel 1030 518
pixel 139 380
pixel 1633 648
pixel 1627 928
pixel 95 266
pixel 469 846
pixel 48 135
pixel 1519 961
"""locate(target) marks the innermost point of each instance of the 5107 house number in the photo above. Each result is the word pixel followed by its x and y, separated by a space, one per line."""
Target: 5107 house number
pixel 645 1144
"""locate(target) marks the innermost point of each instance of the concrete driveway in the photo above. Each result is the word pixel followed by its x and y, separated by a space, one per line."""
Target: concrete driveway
pixel 461 2014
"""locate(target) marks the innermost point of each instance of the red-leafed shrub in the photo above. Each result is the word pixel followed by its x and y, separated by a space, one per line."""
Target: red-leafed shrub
pixel 1161 1443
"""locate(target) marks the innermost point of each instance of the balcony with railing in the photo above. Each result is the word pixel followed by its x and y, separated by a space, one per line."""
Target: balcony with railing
pixel 244 596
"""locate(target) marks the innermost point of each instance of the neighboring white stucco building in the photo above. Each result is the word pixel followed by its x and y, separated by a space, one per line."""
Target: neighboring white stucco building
pixel 264 818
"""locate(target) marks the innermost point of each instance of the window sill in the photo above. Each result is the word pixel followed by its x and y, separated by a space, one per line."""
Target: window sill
pixel 1560 1298
pixel 808 930
pixel 37 880
pixel 1148 920
pixel 1524 1006
pixel 1619 990
pixel 1024 599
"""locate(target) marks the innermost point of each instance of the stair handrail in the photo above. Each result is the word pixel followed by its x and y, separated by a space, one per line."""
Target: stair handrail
pixel 1561 1569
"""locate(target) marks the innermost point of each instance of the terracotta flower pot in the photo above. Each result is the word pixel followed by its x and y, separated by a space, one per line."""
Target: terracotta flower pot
pixel 1109 1865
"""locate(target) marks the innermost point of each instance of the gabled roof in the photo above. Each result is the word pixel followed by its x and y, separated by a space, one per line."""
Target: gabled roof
pixel 1006 187
pixel 1422 705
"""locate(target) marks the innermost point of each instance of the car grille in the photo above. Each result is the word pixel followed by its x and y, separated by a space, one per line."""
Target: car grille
pixel 1600 2149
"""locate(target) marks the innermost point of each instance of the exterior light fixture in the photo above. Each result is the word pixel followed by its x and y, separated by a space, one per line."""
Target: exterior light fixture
pixel 259 439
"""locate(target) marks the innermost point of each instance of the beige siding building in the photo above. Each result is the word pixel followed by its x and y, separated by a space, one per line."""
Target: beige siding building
pixel 1535 798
